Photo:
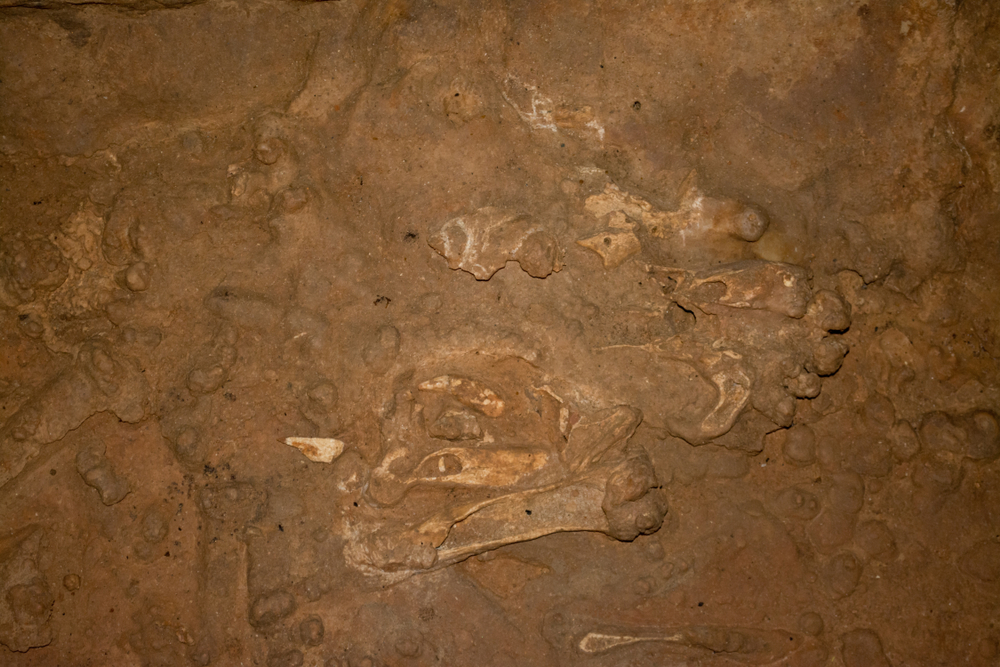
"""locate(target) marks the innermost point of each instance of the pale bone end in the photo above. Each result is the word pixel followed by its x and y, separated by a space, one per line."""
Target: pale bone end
pixel 321 450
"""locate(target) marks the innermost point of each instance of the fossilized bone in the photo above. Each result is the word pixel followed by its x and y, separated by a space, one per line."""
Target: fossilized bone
pixel 748 645
pixel 723 369
pixel 753 284
pixel 594 482
pixel 785 339
pixel 570 631
pixel 616 243
pixel 622 501
pixel 487 464
pixel 482 242
pixel 697 216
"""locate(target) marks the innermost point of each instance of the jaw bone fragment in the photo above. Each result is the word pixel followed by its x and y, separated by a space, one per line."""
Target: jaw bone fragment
pixel 593 484
pixel 483 242
pixel 733 390
pixel 754 284
pixel 779 352
pixel 622 501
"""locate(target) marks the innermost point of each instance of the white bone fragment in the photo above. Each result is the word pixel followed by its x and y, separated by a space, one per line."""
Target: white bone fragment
pixel 321 450
pixel 697 214
pixel 468 392
pixel 597 642
pixel 743 645
pixel 483 241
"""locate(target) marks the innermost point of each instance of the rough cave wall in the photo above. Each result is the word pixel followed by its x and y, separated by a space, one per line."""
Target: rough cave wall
pixel 603 333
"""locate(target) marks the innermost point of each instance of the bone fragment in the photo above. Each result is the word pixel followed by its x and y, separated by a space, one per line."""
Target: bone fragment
pixel 596 642
pixel 614 246
pixel 468 392
pixel 753 645
pixel 482 243
pixel 321 450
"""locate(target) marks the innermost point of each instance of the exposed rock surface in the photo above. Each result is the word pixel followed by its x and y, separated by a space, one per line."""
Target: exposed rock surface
pixel 412 332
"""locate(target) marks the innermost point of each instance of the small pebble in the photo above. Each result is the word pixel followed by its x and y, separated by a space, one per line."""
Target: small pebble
pixel 137 277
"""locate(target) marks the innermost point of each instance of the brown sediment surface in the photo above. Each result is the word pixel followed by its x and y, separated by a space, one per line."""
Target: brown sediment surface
pixel 527 333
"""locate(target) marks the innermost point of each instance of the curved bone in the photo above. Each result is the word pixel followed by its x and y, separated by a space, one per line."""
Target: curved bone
pixel 733 387
pixel 749 645
pixel 734 393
